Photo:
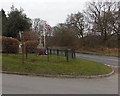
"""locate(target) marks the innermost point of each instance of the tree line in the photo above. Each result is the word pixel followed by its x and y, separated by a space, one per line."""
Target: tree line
pixel 98 25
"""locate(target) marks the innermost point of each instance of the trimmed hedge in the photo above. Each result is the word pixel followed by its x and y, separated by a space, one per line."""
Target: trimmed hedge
pixel 31 46
pixel 9 45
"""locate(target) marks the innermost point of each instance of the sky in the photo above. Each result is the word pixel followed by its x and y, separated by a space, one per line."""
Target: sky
pixel 53 11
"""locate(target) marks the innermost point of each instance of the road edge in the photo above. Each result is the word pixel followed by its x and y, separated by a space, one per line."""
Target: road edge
pixel 62 76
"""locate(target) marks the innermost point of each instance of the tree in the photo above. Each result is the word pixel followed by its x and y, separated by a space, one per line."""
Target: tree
pixel 102 18
pixel 63 36
pixel 76 22
pixel 17 21
pixel 38 26
pixel 116 20
pixel 4 23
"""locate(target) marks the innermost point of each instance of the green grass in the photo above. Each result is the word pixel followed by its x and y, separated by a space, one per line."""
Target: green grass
pixel 57 65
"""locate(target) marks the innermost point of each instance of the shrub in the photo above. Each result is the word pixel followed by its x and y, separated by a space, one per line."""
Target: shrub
pixel 91 41
pixel 9 45
pixel 31 46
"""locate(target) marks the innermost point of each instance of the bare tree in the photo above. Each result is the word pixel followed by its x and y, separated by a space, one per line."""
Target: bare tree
pixel 37 28
pixel 38 25
pixel 63 36
pixel 102 17
pixel 76 22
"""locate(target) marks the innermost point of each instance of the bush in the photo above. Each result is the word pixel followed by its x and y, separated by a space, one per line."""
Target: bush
pixel 91 41
pixel 9 45
pixel 112 42
pixel 31 46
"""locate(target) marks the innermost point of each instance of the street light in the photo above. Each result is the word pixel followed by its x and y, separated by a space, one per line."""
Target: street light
pixel 22 40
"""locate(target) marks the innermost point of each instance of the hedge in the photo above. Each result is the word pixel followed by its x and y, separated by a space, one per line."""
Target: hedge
pixel 31 46
pixel 9 45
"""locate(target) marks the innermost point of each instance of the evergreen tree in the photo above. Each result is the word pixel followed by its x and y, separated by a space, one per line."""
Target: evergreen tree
pixel 4 22
pixel 17 21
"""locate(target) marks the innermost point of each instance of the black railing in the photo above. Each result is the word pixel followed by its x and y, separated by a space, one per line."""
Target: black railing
pixel 68 53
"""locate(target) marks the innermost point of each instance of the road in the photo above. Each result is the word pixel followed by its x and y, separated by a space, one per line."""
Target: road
pixel 15 84
pixel 102 59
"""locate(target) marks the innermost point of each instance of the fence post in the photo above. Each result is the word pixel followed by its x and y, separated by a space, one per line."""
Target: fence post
pixel 66 53
pixel 50 51
pixel 26 52
pixel 57 52
pixel 47 54
pixel 74 54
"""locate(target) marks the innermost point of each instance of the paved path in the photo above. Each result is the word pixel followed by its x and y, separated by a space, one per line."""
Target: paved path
pixel 102 59
pixel 15 84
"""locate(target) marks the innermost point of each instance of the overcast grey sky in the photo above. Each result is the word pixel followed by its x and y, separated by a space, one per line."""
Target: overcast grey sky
pixel 53 11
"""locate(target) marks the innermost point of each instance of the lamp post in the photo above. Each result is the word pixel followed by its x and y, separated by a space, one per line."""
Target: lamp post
pixel 22 39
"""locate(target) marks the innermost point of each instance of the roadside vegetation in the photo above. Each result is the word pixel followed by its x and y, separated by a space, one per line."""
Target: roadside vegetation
pixel 93 31
pixel 100 51
pixel 57 65
pixel 103 51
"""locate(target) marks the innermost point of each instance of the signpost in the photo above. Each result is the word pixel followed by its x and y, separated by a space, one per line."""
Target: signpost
pixel 22 39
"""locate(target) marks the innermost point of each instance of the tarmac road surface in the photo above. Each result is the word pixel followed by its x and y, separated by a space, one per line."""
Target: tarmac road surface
pixel 15 84
pixel 102 59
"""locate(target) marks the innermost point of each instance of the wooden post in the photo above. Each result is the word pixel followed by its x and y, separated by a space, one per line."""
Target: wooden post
pixel 74 54
pixel 26 52
pixel 66 55
pixel 50 51
pixel 22 47
pixel 22 39
pixel 47 54
pixel 22 53
pixel 57 52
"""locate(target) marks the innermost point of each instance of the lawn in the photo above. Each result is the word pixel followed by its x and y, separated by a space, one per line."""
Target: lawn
pixel 57 65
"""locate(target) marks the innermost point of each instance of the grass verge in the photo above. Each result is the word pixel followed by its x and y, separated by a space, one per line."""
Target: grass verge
pixel 57 65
